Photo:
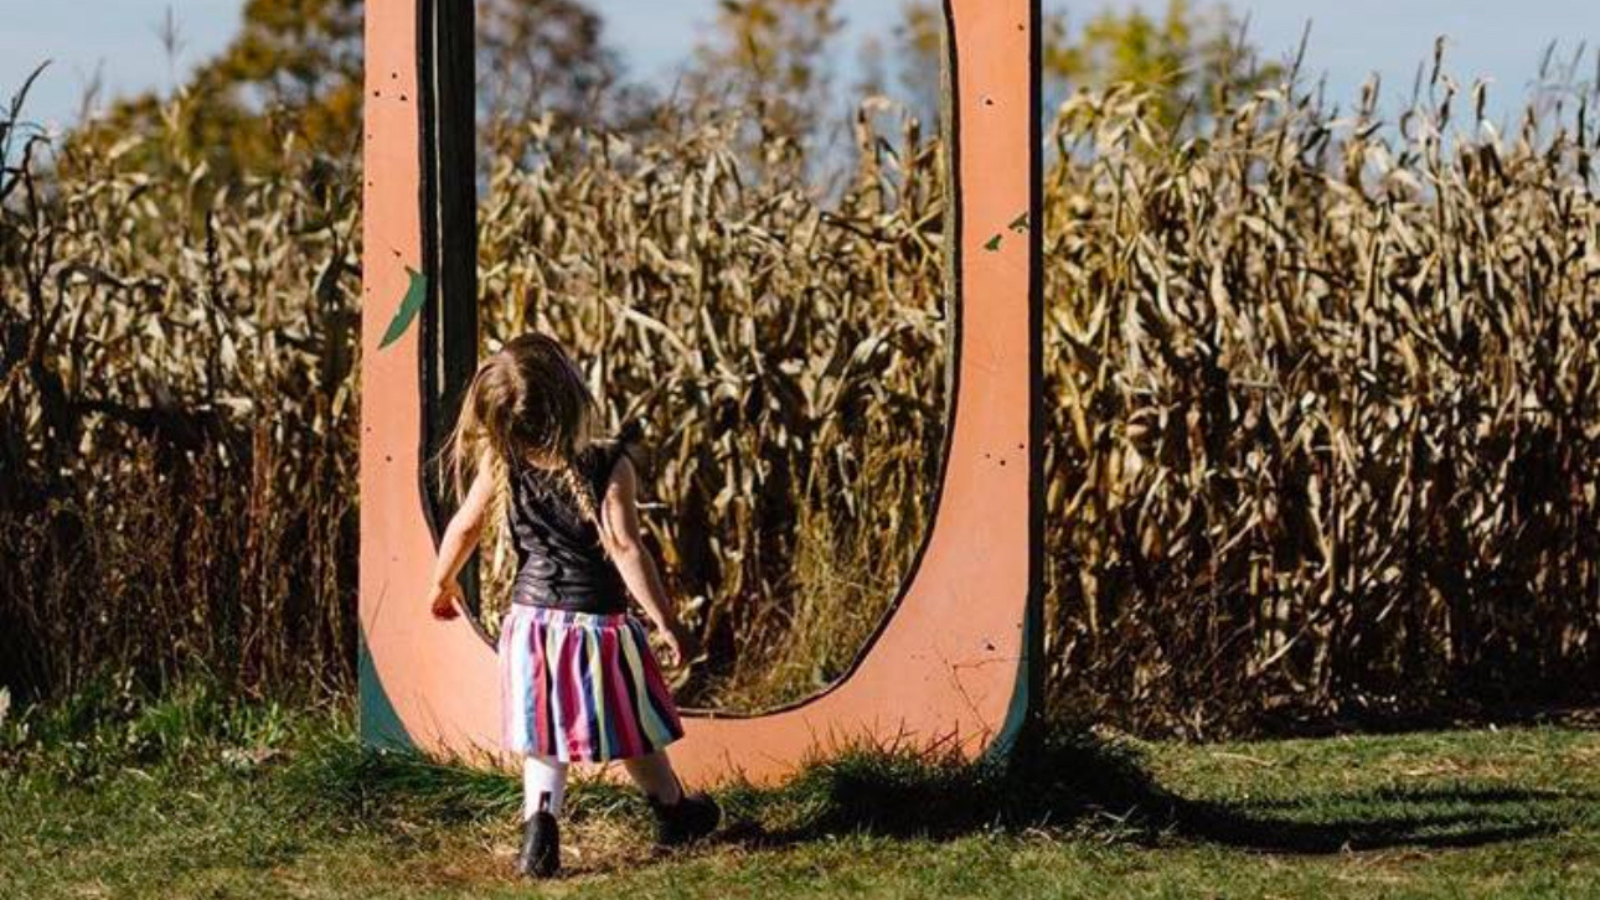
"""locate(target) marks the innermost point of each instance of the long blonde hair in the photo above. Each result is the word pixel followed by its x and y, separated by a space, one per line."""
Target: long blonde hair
pixel 527 406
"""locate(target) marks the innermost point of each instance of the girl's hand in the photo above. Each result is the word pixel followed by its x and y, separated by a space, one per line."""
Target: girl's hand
pixel 445 600
pixel 682 642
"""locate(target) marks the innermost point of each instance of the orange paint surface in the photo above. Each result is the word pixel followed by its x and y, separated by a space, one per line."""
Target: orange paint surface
pixel 949 667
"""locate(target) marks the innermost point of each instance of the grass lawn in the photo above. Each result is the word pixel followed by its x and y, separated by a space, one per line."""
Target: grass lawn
pixel 187 799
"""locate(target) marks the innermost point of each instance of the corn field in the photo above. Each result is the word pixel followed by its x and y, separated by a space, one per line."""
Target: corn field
pixel 785 360
pixel 1324 411
pixel 1321 402
pixel 177 462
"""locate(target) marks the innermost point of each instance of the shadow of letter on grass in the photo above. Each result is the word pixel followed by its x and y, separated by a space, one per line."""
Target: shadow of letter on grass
pixel 1073 780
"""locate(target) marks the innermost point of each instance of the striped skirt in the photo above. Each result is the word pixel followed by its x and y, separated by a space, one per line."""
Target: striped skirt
pixel 580 687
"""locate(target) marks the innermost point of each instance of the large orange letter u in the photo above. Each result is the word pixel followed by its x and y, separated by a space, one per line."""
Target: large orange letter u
pixel 956 661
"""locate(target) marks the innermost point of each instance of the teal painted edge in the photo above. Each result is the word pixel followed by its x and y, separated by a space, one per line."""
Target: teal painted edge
pixel 1024 723
pixel 1020 712
pixel 380 724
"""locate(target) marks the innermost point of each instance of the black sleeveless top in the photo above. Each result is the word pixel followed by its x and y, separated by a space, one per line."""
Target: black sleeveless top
pixel 560 562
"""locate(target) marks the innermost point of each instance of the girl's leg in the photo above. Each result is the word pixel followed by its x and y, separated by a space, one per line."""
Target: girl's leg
pixel 544 785
pixel 680 818
pixel 653 774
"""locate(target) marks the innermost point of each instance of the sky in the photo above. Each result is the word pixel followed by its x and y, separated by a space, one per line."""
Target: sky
pixel 1350 39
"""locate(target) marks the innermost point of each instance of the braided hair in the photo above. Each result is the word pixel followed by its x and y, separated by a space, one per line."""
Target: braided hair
pixel 527 406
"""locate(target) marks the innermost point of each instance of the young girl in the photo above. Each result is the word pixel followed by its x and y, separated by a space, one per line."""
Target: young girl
pixel 578 680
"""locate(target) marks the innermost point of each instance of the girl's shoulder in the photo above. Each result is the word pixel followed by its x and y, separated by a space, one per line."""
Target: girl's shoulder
pixel 606 454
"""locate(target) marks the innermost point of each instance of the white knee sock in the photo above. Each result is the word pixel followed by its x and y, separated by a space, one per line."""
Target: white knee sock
pixel 544 782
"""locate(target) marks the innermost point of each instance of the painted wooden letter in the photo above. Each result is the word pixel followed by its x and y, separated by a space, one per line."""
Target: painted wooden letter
pixel 955 661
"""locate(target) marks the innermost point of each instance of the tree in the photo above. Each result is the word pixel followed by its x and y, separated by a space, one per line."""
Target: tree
pixel 293 72
pixel 537 56
pixel 293 75
pixel 919 40
pixel 769 56
pixel 1190 62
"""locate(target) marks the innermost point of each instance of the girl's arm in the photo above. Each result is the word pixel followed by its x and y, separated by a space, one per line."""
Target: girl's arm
pixel 459 541
pixel 619 516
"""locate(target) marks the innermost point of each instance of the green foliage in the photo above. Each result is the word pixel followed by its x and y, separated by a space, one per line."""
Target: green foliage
pixel 111 725
pixel 237 802
pixel 335 775
pixel 292 76
pixel 1188 62
pixel 1191 62
pixel 290 85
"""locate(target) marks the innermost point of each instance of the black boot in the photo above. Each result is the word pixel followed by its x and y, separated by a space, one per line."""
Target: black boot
pixel 693 817
pixel 541 846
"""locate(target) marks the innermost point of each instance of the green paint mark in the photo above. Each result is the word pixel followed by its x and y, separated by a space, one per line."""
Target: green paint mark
pixel 380 723
pixel 409 307
pixel 993 244
pixel 1019 224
